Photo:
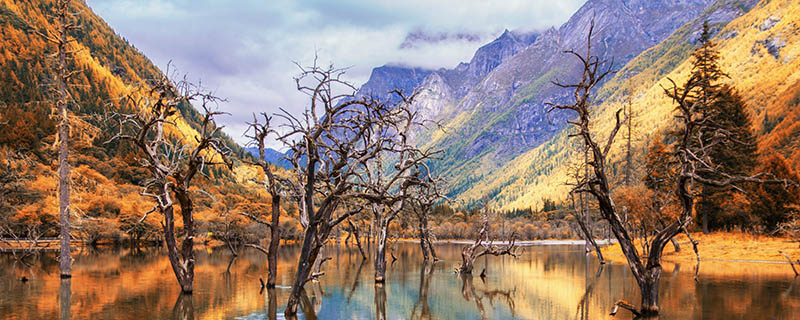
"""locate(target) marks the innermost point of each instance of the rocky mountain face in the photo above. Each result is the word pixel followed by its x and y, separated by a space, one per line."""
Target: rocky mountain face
pixel 494 107
pixel 440 89
pixel 505 114
pixel 767 83
pixel 386 78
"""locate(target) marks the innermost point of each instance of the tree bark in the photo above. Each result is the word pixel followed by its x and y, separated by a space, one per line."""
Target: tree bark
pixel 425 242
pixel 355 233
pixel 275 239
pixel 308 255
pixel 65 259
pixel 422 243
pixel 380 253
pixel 182 261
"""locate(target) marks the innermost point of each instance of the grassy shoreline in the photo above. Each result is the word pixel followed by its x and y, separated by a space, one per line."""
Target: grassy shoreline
pixel 723 247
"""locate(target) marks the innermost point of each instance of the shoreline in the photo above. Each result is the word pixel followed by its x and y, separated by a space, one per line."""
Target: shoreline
pixel 525 243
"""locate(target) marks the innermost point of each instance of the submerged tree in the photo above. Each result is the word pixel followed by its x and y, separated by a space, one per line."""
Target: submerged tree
pixel 331 145
pixel 693 160
pixel 424 198
pixel 389 191
pixel 260 132
pixel 64 25
pixel 173 160
pixel 483 246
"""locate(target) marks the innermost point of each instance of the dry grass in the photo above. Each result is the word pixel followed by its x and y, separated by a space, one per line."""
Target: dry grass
pixel 725 252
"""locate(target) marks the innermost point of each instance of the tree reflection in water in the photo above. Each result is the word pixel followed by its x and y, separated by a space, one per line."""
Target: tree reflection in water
pixel 583 305
pixel 469 293
pixel 184 307
pixel 272 304
pixel 65 295
pixel 380 301
pixel 421 308
pixel 355 281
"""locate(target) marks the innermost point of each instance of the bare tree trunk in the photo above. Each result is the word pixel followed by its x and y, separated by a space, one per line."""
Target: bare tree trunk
pixel 308 255
pixel 380 253
pixel 182 261
pixel 354 231
pixel 422 242
pixel 590 239
pixel 275 239
pixel 65 259
pixel 585 208
pixel 425 242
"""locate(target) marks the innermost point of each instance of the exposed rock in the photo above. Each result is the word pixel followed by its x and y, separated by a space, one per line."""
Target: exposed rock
pixel 769 23
pixel 772 44
pixel 386 78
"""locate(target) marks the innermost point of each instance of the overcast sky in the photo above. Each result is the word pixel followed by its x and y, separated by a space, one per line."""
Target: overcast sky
pixel 244 50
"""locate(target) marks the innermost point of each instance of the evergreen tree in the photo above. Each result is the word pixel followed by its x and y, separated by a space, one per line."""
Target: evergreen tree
pixel 735 153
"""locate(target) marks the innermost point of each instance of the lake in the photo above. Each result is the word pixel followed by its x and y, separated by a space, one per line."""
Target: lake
pixel 545 282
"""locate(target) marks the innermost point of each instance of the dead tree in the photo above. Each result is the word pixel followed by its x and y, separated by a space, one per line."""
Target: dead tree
pixel 484 246
pixel 424 198
pixel 64 26
pixel 389 191
pixel 260 132
pixel 693 162
pixel 583 222
pixel 330 145
pixel 173 160
pixel 355 233
pixel 22 247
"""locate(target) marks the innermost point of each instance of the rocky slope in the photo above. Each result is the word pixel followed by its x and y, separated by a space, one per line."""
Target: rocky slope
pixel 759 50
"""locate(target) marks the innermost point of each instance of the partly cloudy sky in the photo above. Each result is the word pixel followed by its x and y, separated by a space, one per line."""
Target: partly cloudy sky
pixel 244 50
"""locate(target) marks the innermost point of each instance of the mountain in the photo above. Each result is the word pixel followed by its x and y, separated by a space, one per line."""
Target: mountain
pixel 505 114
pixel 758 45
pixel 498 138
pixel 106 175
pixel 439 88
pixel 272 156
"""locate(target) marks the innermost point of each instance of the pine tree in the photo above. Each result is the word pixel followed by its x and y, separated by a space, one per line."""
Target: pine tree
pixel 723 105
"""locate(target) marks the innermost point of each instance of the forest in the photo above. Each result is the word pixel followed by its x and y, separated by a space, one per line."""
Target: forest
pixel 101 153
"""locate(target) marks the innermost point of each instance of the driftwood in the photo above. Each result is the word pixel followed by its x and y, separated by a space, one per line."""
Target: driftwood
pixel 625 305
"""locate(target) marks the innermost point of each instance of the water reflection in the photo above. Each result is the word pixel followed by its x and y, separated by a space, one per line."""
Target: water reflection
pixel 582 311
pixel 65 298
pixel 184 307
pixel 544 283
pixel 422 308
pixel 380 301
pixel 272 304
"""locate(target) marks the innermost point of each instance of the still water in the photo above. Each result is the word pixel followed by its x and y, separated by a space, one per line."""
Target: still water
pixel 545 282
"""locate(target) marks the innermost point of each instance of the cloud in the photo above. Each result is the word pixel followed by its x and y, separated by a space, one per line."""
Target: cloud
pixel 244 50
